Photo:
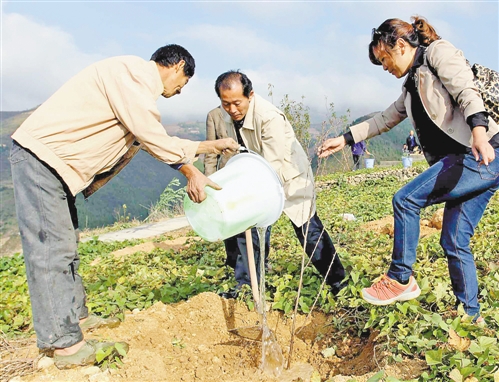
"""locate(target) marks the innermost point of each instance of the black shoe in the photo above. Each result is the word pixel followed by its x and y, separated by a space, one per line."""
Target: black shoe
pixel 231 294
pixel 336 288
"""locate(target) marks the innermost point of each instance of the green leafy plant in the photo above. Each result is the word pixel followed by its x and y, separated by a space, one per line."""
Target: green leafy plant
pixel 110 357
pixel 169 203
pixel 177 343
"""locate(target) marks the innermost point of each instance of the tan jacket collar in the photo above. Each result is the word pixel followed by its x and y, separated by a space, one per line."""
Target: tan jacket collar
pixel 248 119
pixel 158 90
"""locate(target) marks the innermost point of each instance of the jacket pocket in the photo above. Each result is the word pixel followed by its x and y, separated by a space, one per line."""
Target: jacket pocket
pixel 289 172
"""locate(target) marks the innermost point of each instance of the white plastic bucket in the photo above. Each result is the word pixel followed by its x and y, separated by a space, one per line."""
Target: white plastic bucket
pixel 406 162
pixel 369 162
pixel 251 196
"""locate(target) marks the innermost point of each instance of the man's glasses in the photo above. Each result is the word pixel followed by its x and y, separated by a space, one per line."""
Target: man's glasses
pixel 375 34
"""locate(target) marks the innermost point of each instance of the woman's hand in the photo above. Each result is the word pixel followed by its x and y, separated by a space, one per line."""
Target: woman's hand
pixel 481 146
pixel 331 146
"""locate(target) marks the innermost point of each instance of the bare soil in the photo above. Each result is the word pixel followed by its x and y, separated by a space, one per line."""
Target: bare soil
pixel 208 338
pixel 195 341
pixel 426 227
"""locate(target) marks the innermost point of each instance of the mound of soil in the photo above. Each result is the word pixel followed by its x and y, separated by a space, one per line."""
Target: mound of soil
pixel 385 225
pixel 196 341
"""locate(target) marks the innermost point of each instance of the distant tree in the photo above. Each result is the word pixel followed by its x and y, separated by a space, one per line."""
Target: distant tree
pixel 299 117
pixel 333 126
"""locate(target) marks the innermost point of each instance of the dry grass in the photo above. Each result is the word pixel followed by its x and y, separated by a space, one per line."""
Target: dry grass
pixel 14 358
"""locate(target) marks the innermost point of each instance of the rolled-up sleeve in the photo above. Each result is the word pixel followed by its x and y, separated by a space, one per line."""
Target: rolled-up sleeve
pixel 478 119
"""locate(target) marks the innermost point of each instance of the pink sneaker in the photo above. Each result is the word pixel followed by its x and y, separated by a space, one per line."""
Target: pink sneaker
pixel 386 291
pixel 478 321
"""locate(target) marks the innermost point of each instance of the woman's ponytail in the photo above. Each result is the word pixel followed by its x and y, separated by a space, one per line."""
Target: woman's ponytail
pixel 426 33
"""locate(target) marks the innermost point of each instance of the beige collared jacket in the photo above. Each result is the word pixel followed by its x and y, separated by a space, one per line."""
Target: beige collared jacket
pixel 448 99
pixel 93 120
pixel 267 132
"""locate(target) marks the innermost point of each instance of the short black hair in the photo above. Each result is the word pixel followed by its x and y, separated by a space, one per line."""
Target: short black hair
pixel 226 79
pixel 172 54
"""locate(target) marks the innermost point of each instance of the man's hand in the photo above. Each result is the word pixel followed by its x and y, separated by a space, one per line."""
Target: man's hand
pixel 331 146
pixel 196 182
pixel 482 146
pixel 219 146
pixel 225 146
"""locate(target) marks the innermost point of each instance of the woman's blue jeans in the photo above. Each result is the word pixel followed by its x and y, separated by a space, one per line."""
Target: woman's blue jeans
pixel 465 186
pixel 48 224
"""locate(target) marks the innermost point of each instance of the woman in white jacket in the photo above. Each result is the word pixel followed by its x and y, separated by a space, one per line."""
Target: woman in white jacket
pixel 459 141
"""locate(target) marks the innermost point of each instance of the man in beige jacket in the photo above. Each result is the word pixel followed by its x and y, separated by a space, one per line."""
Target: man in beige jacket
pixel 74 142
pixel 261 127
pixel 218 123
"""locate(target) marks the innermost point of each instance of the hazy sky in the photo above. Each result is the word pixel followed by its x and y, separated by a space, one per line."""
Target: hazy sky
pixel 315 49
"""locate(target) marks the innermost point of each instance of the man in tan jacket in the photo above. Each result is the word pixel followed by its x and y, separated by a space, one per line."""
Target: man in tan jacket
pixel 261 127
pixel 74 142
pixel 218 123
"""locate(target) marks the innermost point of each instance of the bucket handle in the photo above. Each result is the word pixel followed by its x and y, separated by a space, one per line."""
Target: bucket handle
pixel 244 149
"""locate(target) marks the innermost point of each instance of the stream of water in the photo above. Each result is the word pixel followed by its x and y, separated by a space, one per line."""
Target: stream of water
pixel 272 358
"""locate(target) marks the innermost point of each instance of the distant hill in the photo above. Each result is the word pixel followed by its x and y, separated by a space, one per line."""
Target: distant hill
pixel 387 146
pixel 193 130
pixel 384 147
pixel 9 114
pixel 10 121
pixel 138 186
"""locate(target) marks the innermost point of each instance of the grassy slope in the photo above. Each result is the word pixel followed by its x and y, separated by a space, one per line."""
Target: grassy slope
pixel 137 186
pixel 384 147
pixel 387 146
